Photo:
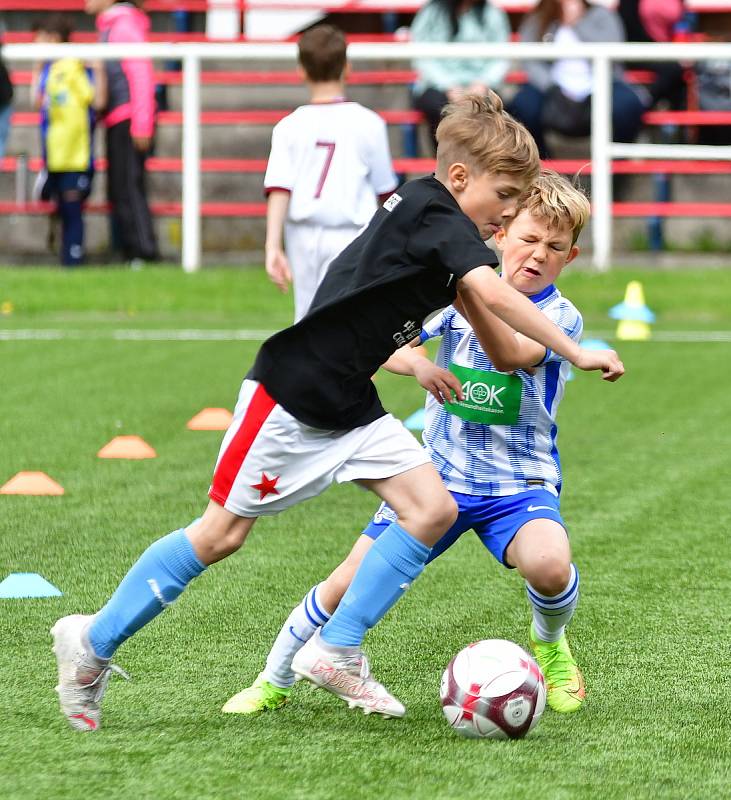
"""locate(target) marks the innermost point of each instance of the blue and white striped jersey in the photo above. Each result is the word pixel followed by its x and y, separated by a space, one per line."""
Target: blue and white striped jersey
pixel 490 460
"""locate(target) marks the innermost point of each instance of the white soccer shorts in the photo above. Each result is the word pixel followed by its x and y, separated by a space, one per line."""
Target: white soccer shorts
pixel 270 461
pixel 310 249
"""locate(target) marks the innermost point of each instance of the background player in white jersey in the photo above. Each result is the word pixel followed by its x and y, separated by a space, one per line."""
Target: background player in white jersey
pixel 329 165
pixel 505 477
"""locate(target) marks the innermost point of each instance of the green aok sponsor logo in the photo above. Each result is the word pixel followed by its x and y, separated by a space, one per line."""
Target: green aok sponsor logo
pixel 490 398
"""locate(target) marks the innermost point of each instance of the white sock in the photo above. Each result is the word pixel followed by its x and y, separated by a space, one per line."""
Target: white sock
pixel 300 626
pixel 552 614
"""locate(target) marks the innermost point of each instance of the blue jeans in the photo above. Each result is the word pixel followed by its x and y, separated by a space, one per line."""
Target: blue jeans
pixel 627 109
pixel 5 114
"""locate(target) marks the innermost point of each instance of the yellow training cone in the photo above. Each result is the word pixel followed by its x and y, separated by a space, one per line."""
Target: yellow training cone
pixel 634 295
pixel 629 330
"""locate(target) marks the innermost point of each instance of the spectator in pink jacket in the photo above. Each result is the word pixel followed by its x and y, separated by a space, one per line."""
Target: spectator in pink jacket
pixel 130 121
pixel 660 17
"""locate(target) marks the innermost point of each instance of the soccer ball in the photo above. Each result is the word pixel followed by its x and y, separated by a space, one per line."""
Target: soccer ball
pixel 493 689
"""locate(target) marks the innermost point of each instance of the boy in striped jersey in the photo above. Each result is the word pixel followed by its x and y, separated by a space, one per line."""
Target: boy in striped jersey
pixel 494 448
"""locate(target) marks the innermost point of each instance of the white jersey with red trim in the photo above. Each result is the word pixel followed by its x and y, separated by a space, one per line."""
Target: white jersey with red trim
pixel 334 159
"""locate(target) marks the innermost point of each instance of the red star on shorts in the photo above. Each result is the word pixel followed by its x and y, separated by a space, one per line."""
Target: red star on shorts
pixel 266 486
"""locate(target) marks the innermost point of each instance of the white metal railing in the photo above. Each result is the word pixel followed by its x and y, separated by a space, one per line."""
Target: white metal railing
pixel 602 56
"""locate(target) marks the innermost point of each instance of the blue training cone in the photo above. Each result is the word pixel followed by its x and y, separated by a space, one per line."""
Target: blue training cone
pixel 27 584
pixel 595 344
pixel 416 421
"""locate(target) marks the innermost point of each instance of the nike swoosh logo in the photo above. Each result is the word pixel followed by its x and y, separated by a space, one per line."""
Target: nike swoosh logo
pixel 538 508
pixel 291 630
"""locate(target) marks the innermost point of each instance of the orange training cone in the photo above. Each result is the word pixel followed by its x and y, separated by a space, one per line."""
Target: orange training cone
pixel 32 483
pixel 211 419
pixel 127 447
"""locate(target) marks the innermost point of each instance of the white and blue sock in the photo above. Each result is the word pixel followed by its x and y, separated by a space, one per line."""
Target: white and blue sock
pixel 299 628
pixel 155 580
pixel 393 562
pixel 552 614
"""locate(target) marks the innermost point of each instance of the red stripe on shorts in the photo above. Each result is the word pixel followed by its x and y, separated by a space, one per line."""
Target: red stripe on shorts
pixel 228 467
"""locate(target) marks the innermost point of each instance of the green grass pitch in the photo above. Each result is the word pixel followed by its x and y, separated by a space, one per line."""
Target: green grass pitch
pixel 647 467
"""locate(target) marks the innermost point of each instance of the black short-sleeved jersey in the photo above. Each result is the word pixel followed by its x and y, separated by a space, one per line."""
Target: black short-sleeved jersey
pixel 373 299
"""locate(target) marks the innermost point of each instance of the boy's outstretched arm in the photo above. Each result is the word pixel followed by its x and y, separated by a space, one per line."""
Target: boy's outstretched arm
pixel 507 349
pixel 483 286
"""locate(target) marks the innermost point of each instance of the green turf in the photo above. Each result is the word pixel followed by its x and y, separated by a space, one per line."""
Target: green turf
pixel 647 468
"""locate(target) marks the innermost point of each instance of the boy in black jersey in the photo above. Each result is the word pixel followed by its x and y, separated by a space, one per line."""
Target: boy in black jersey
pixel 308 413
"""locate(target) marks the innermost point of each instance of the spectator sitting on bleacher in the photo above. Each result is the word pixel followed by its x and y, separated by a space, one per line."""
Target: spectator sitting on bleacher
pixel 66 92
pixel 6 109
pixel 655 21
pixel 443 81
pixel 130 121
pixel 557 95
pixel 714 94
pixel 329 164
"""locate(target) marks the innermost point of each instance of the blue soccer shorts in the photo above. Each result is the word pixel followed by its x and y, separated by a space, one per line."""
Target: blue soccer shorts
pixel 495 520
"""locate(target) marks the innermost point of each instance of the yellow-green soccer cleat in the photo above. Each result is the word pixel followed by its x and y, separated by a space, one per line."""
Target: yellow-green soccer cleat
pixel 260 696
pixel 564 682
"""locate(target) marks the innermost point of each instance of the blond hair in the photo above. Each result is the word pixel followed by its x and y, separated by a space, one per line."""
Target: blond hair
pixel 479 132
pixel 554 198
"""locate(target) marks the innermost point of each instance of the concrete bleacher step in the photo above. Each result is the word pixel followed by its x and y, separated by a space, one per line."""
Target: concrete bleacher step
pixel 267 96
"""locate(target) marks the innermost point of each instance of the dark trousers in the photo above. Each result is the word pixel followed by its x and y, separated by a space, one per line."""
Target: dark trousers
pixel 127 192
pixel 69 190
pixel 72 232
pixel 627 109
pixel 668 83
pixel 430 103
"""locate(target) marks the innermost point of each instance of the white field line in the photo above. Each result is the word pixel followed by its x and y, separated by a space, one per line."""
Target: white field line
pixel 253 335
pixel 137 335
pixel 669 336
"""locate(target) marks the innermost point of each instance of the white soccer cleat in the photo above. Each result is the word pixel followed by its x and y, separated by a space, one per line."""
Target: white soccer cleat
pixel 345 672
pixel 82 677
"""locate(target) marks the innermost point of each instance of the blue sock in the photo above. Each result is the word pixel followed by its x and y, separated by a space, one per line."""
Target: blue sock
pixel 159 576
pixel 392 563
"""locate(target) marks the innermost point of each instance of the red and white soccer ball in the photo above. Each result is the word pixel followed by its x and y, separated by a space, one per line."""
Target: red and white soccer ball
pixel 493 689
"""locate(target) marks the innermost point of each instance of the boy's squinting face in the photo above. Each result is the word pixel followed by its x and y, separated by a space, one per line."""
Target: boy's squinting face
pixel 487 199
pixel 534 252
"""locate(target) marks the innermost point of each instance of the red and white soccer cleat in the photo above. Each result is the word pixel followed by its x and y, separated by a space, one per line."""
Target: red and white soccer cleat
pixel 345 672
pixel 82 677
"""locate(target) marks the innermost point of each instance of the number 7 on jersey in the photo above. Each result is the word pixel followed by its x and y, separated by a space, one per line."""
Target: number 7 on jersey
pixel 330 151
